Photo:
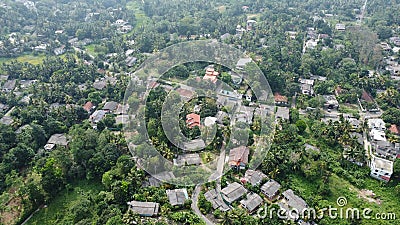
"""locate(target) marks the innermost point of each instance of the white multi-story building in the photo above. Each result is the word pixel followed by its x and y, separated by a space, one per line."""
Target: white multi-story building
pixel 381 169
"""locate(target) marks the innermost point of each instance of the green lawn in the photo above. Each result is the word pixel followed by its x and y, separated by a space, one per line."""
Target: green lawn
pixel 29 58
pixel 58 208
pixel 139 14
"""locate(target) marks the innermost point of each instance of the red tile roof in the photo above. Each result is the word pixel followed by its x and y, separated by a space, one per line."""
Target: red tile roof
pixel 192 120
pixel 366 97
pixel 394 129
pixel 280 98
pixel 185 92
pixel 211 74
pixel 239 155
pixel 386 178
pixel 88 106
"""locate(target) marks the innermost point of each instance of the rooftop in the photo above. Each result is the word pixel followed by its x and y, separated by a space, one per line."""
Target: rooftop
pixel 252 201
pixel 394 129
pixel 233 192
pixel 239 156
pixel 110 106
pixel 382 164
pixel 282 112
pixel 58 139
pixel 144 208
pixel 88 106
pixel 213 198
pixel 254 177
pixel 280 98
pixel 194 145
pixel 177 196
pixel 192 120
pixel 294 201
pixel 187 159
pixel 270 188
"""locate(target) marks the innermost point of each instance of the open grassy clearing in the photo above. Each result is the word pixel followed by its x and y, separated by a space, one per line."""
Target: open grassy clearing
pixel 57 210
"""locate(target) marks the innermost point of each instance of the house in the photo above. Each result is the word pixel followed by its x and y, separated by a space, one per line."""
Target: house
pixel 381 169
pixel 244 114
pixel 233 192
pixel 280 99
pixel 307 86
pixel 193 120
pixel 213 197
pixel 254 177
pixel 97 116
pixel 239 157
pixel 24 84
pixel 242 63
pixel 210 121
pixel 366 97
pixel 100 84
pixel 187 160
pixel 177 196
pixel 185 93
pixel 144 208
pixel 250 24
pixel 249 95
pixel 377 124
pixel 386 149
pixel 394 129
pixel 340 27
pixel 292 204
pixel 385 46
pixel 330 102
pixel 9 85
pixel 355 123
pixel 311 44
pixel 56 140
pixel 194 145
pixel 122 109
pixel 239 31
pixel 377 135
pixel 110 107
pixel 220 116
pixel 252 202
pixel 307 89
pixel 88 107
pixel 271 189
pixel 395 40
pixel 59 51
pixel 236 78
pixel 7 120
pixel 211 74
pixel 225 36
pixel 282 113
pixel 120 22
pixel 130 61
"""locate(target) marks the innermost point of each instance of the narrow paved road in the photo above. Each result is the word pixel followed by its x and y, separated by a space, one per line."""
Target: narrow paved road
pixel 195 208
pixel 216 176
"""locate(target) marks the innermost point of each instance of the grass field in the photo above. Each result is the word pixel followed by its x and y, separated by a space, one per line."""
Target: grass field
pixel 388 201
pixel 58 208
pixel 29 58
pixel 139 14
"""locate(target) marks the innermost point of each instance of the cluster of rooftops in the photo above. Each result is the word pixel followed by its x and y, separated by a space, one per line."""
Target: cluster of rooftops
pixel 233 192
